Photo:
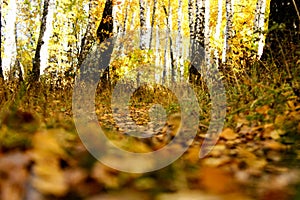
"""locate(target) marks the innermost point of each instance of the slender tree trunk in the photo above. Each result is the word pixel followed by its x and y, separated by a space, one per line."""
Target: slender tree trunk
pixel 105 31
pixel 35 73
pixel 143 28
pixel 46 38
pixel 152 21
pixel 259 26
pixel 123 29
pixel 218 30
pixel 228 30
pixel 197 48
pixel 179 41
pixel 191 13
pixel 148 26
pixel 88 39
pixel 207 33
pixel 10 53
pixel 1 71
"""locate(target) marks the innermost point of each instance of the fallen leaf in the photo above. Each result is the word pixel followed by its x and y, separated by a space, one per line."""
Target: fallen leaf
pixel 228 134
pixel 273 145
pixel 217 181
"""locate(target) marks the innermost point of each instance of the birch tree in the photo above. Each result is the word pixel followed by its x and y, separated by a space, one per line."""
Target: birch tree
pixel 169 59
pixel 152 21
pixel 47 35
pixel 179 41
pixel 10 48
pixel 36 65
pixel 228 30
pixel 143 28
pixel 218 30
pixel 1 71
pixel 197 40
pixel 89 38
pixel 207 32
pixel 105 31
pixel 259 24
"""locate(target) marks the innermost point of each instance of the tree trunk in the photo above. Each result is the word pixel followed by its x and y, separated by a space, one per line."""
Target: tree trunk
pixel 228 30
pixel 191 13
pixel 207 33
pixel 35 73
pixel 259 25
pixel 105 31
pixel 143 28
pixel 1 71
pixel 47 35
pixel 152 22
pixel 88 39
pixel 179 42
pixel 197 47
pixel 10 51
pixel 218 30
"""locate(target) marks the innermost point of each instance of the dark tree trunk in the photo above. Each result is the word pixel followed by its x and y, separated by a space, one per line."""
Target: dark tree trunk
pixel 35 73
pixel 105 31
pixel 197 41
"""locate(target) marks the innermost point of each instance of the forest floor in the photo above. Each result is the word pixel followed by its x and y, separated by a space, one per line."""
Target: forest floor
pixel 257 155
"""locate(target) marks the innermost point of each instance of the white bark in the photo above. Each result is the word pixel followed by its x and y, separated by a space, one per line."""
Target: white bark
pixel 47 35
pixel 143 28
pixel 228 29
pixel 179 48
pixel 148 26
pixel 207 32
pixel 218 30
pixel 10 51
pixel 259 25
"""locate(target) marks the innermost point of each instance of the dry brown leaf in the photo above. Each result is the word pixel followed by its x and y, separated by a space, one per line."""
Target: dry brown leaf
pixel 245 130
pixel 273 145
pixel 275 134
pixel 217 181
pixel 216 162
pixel 228 134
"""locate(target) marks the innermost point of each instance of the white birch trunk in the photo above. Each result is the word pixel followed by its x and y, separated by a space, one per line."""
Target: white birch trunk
pixel 259 25
pixel 217 35
pixel 228 29
pixel 148 26
pixel 10 51
pixel 207 32
pixel 46 38
pixel 143 28
pixel 179 48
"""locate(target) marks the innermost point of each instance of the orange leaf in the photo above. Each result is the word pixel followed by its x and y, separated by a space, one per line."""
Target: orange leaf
pixel 228 134
pixel 217 181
